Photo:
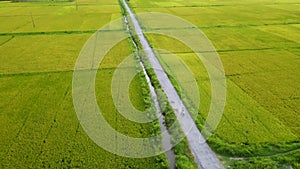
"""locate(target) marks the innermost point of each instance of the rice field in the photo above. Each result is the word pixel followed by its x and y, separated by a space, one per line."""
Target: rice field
pixel 40 128
pixel 258 43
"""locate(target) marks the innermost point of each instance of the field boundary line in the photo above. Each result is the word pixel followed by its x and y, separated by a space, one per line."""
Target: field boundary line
pixel 238 50
pixel 66 32
pixel 3 75
pixel 46 3
pixel 225 26
pixel 3 43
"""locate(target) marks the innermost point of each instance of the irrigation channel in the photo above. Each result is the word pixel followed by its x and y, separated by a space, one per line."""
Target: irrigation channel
pixel 166 141
pixel 204 156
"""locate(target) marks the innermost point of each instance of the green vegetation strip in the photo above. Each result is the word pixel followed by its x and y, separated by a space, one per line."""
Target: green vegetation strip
pixel 184 157
pixel 160 160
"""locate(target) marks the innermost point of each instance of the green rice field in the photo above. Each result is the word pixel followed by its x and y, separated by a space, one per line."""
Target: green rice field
pixel 258 42
pixel 40 128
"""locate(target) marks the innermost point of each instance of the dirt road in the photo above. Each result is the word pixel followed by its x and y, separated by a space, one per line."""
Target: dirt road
pixel 204 156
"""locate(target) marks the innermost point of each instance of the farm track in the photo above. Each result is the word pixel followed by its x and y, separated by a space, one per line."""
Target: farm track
pixel 166 140
pixel 204 157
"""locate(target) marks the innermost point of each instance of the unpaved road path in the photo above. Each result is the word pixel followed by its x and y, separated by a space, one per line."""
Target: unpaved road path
pixel 204 156
pixel 166 140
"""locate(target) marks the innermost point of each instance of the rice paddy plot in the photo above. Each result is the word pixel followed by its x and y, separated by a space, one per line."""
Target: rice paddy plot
pixel 41 53
pixel 40 125
pixel 34 18
pixel 258 44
